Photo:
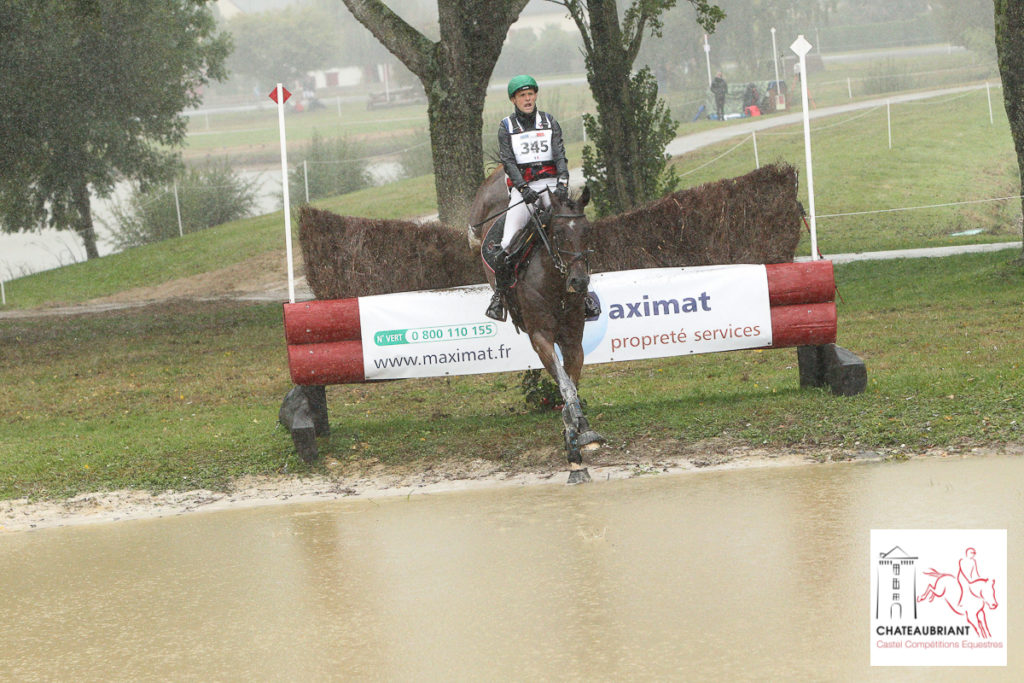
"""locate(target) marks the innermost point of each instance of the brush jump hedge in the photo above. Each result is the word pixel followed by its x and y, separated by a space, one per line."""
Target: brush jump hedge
pixel 755 218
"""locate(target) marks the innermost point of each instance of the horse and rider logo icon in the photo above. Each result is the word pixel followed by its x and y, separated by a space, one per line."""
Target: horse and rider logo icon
pixel 967 593
pixel 937 605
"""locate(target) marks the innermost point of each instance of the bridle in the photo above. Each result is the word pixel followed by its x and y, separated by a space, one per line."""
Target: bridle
pixel 556 252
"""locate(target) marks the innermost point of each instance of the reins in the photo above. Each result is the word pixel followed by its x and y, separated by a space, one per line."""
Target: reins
pixel 555 254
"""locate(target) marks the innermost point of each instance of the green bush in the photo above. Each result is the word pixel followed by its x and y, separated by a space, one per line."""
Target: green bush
pixel 331 166
pixel 418 158
pixel 206 196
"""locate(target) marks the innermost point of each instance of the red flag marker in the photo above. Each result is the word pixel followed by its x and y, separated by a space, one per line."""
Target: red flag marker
pixel 284 93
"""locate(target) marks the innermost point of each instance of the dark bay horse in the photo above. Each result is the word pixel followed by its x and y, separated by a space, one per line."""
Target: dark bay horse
pixel 547 301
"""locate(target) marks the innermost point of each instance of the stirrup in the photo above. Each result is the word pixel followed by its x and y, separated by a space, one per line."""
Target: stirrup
pixel 495 311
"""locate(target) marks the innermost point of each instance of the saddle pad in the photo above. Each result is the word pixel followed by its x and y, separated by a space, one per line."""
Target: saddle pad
pixel 491 243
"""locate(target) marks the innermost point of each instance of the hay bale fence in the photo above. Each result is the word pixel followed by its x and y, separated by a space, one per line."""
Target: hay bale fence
pixel 755 218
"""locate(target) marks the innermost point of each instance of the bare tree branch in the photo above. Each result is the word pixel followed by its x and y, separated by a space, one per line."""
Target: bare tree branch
pixel 402 40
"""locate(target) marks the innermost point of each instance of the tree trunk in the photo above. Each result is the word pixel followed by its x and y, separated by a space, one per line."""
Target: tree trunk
pixel 455 72
pixel 83 224
pixel 1009 19
pixel 609 77
pixel 456 122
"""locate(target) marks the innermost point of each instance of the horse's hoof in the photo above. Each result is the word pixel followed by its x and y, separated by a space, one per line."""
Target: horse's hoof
pixel 590 440
pixel 578 477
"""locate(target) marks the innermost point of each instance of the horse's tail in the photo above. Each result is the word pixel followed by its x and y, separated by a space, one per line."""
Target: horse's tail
pixel 934 573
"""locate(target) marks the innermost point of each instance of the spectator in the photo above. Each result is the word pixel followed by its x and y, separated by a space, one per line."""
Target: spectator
pixel 719 87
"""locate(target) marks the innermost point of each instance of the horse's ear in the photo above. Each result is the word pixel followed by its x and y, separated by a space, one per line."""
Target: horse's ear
pixel 584 197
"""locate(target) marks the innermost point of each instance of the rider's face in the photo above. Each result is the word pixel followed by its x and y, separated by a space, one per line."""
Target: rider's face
pixel 525 100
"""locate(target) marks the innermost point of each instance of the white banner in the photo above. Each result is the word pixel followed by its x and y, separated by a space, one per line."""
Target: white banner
pixel 649 313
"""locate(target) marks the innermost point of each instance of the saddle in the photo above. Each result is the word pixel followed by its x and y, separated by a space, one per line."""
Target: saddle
pixel 519 251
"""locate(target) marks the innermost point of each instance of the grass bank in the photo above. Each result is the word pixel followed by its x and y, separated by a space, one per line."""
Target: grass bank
pixel 185 395
pixel 944 152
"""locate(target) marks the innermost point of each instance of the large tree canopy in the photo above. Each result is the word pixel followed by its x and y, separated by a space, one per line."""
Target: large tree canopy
pixel 632 126
pixel 454 71
pixel 94 93
pixel 1009 20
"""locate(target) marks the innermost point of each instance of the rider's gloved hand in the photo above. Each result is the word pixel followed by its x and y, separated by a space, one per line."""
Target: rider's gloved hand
pixel 562 189
pixel 529 194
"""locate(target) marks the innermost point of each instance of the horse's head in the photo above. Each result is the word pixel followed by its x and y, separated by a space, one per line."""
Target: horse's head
pixel 988 594
pixel 569 230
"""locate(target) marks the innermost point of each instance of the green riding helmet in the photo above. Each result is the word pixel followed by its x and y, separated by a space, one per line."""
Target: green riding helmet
pixel 520 82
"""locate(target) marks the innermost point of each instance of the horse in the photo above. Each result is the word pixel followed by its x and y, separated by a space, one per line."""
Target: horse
pixel 969 599
pixel 547 301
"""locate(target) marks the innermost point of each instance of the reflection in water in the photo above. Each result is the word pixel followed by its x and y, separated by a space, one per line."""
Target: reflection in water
pixel 716 575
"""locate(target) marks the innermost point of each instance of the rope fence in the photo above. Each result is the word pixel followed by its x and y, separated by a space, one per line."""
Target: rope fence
pixel 817 129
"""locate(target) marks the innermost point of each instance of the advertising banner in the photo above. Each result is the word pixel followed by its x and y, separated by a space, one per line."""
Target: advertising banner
pixel 650 313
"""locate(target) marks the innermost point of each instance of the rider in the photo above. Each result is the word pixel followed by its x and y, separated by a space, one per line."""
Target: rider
pixel 531 149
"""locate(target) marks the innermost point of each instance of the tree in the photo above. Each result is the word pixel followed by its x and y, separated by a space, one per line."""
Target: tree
pixel 204 196
pixel 632 125
pixel 283 45
pixel 968 23
pixel 99 88
pixel 1009 24
pixel 455 71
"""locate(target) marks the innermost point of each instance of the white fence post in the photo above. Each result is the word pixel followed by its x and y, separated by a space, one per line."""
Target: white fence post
pixel 305 177
pixel 287 200
pixel 177 209
pixel 801 47
pixel 849 88
pixel 988 93
pixel 888 122
pixel 757 162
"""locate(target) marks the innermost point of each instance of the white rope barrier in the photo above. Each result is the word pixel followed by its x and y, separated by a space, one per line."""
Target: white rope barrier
pixel 926 206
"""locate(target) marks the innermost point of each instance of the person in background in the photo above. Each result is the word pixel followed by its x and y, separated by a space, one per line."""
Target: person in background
pixel 719 87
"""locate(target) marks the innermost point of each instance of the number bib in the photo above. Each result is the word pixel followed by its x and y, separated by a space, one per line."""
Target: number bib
pixel 532 147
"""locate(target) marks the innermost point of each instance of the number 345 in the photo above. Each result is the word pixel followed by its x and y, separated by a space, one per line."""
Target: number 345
pixel 537 146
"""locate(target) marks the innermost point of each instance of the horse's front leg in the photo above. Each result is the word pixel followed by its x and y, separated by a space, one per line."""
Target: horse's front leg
pixel 588 439
pixel 982 620
pixel 571 410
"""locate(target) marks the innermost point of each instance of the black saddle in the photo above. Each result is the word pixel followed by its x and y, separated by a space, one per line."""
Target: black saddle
pixel 521 246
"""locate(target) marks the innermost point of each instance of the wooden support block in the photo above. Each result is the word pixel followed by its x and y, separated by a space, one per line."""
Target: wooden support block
pixel 845 372
pixel 828 364
pixel 304 413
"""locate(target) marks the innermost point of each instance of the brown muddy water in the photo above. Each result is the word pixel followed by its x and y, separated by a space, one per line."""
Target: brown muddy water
pixel 755 574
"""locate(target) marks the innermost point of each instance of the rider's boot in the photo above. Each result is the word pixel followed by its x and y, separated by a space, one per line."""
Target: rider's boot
pixel 502 281
pixel 591 308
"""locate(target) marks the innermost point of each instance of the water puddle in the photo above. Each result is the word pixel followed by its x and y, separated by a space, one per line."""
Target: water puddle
pixel 742 574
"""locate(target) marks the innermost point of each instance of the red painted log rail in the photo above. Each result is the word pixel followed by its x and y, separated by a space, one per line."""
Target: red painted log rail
pixel 325 347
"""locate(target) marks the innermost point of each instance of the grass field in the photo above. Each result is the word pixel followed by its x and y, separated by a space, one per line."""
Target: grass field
pixel 185 395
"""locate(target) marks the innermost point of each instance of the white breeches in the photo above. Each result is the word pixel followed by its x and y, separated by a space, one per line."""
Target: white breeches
pixel 519 213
